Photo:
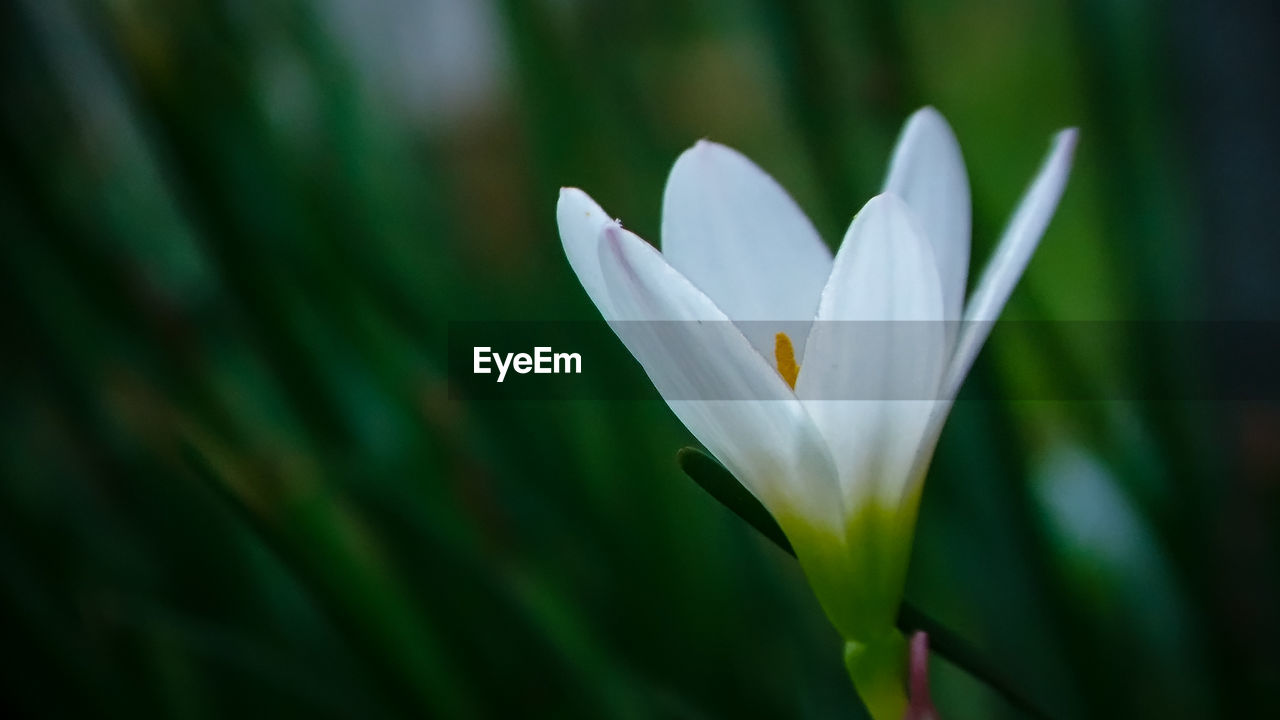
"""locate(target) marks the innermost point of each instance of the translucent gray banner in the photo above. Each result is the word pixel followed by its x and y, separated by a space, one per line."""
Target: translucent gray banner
pixel 1190 361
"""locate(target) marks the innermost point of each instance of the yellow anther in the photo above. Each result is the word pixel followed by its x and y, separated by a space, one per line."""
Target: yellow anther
pixel 785 355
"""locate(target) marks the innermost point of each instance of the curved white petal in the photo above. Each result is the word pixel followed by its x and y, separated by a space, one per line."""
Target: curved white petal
pixel 717 384
pixel 876 353
pixel 581 220
pixel 1011 257
pixel 741 239
pixel 927 171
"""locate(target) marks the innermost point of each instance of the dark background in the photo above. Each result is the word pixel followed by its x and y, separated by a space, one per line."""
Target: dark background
pixel 234 479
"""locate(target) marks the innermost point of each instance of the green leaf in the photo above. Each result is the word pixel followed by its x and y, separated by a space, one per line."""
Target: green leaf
pixel 723 486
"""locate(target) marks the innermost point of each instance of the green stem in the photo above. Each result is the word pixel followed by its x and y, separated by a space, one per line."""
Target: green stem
pixel 878 671
pixel 712 477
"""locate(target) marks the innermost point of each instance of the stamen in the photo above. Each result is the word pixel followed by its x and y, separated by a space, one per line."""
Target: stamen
pixel 785 355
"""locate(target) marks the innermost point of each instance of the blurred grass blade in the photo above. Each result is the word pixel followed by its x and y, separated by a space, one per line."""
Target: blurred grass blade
pixel 724 487
pixel 326 547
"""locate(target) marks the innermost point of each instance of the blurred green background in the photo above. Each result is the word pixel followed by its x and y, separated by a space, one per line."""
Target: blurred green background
pixel 235 481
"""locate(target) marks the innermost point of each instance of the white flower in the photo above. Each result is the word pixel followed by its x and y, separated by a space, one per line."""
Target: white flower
pixel 743 351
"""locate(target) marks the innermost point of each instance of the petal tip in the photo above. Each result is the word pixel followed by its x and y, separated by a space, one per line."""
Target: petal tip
pixel 930 116
pixel 611 236
pixel 886 199
pixel 571 194
pixel 705 148
pixel 928 111
pixel 577 192
pixel 573 203
pixel 617 247
pixel 1067 138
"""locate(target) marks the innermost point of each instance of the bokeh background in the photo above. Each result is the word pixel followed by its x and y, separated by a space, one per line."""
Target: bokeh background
pixel 235 480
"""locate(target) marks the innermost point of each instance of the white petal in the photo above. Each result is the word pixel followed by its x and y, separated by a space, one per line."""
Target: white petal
pixel 927 171
pixel 737 236
pixel 876 353
pixel 581 220
pixel 717 384
pixel 1011 257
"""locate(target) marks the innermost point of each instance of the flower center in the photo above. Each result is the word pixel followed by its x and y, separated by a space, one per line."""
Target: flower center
pixel 785 355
